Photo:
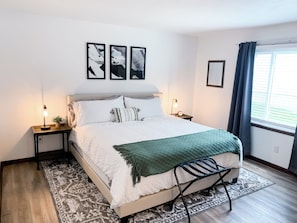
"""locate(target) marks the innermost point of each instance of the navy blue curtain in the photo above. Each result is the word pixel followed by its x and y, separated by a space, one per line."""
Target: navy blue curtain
pixel 240 112
pixel 293 161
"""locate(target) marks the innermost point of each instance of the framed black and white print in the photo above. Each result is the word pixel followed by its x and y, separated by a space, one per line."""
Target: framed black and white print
pixel 95 61
pixel 118 62
pixel 137 63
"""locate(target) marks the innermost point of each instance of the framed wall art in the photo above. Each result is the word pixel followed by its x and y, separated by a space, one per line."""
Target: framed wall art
pixel 95 61
pixel 215 73
pixel 118 62
pixel 137 63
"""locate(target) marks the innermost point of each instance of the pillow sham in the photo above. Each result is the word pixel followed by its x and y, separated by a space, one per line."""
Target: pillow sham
pixel 125 114
pixel 71 114
pixel 94 111
pixel 147 107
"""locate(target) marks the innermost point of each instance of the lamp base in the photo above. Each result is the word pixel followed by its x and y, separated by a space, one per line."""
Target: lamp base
pixel 45 127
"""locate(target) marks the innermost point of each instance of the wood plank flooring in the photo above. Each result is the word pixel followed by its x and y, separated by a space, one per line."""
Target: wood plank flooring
pixel 25 195
pixel 26 198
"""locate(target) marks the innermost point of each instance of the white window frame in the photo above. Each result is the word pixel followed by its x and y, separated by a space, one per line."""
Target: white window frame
pixel 265 123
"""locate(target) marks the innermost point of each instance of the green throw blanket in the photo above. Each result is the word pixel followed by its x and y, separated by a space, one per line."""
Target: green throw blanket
pixel 158 156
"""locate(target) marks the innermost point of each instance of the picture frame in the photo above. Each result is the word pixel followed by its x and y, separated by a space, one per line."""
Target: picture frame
pixel 118 62
pixel 137 63
pixel 95 61
pixel 215 73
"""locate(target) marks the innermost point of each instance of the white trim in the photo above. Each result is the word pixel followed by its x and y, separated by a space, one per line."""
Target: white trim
pixel 272 125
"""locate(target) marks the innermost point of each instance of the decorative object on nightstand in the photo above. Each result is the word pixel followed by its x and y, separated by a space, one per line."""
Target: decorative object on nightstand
pixel 45 114
pixel 173 105
pixel 184 116
pixel 38 131
pixel 58 119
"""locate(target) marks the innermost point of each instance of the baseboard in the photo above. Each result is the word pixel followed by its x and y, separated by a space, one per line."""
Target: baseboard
pixel 271 165
pixel 9 162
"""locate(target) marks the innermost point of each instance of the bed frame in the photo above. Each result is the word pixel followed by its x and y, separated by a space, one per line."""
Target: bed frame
pixel 147 201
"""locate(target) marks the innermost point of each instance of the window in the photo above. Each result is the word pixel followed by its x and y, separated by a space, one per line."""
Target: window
pixel 274 99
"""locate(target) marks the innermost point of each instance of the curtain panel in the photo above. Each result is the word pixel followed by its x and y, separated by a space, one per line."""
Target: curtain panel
pixel 293 161
pixel 240 112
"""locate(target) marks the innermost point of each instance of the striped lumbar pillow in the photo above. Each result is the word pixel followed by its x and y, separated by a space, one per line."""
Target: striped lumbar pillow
pixel 125 114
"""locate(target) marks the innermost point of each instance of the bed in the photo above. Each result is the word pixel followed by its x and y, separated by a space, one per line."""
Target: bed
pixel 101 121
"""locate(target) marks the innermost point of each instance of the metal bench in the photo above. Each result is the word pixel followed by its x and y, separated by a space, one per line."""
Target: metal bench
pixel 201 168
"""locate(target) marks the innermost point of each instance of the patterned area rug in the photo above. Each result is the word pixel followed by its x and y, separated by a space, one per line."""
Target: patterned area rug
pixel 78 200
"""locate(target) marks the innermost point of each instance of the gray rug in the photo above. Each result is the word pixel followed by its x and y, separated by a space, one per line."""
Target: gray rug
pixel 78 200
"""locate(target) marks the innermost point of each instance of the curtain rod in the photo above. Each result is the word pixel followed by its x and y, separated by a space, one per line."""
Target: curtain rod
pixel 277 43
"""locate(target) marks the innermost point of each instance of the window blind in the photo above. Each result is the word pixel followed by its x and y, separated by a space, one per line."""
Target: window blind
pixel 274 99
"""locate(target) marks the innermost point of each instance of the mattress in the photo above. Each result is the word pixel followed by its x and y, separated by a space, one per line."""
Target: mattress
pixel 96 142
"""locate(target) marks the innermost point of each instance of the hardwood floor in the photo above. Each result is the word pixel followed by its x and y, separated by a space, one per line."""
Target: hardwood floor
pixel 25 195
pixel 26 198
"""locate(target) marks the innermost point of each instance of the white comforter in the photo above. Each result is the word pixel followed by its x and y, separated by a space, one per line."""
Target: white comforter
pixel 97 140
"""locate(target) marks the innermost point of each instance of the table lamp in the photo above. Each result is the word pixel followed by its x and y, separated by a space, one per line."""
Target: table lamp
pixel 45 114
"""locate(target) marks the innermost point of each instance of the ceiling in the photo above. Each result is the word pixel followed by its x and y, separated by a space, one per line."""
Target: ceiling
pixel 189 17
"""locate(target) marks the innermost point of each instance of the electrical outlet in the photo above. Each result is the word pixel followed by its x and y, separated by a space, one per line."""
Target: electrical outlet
pixel 276 149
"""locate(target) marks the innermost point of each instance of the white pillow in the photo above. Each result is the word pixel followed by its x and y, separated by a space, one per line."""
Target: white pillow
pixel 94 111
pixel 125 114
pixel 147 107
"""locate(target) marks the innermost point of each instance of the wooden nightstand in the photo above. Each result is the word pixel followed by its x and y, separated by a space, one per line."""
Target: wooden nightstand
pixel 63 130
pixel 184 116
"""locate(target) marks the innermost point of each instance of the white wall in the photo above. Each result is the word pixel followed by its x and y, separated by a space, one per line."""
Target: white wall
pixel 48 54
pixel 270 146
pixel 212 105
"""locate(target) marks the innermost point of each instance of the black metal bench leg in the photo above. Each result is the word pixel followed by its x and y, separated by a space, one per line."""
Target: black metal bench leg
pixel 181 192
pixel 182 197
pixel 229 198
pixel 208 167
